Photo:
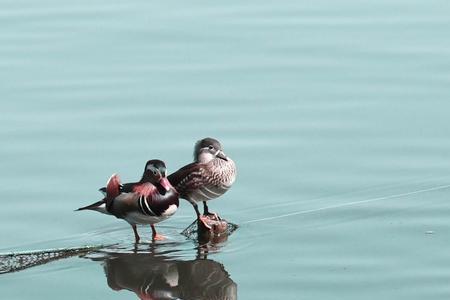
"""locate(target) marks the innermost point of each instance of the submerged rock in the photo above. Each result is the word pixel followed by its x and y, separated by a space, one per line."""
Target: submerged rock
pixel 210 228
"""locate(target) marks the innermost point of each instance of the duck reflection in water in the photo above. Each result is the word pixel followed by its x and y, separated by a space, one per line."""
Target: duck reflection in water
pixel 155 276
pixel 151 274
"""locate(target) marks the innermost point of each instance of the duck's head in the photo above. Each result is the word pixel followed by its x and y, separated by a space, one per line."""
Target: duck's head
pixel 208 149
pixel 155 172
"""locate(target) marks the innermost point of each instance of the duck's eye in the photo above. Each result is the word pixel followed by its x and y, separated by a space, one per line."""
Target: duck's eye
pixel 210 147
pixel 154 172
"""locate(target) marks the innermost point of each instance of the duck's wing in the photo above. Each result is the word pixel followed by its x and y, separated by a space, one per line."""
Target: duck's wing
pixel 151 201
pixel 113 186
pixel 134 201
pixel 124 188
pixel 144 198
pixel 188 178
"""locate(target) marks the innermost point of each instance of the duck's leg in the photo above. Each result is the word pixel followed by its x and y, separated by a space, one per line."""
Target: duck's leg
pixel 136 235
pixel 155 236
pixel 205 208
pixel 196 209
pixel 200 217
pixel 206 212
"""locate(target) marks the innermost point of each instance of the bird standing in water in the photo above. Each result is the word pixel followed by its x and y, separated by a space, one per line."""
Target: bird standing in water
pixel 210 175
pixel 149 201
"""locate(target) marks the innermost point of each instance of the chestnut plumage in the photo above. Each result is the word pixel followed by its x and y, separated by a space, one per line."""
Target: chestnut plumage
pixel 148 201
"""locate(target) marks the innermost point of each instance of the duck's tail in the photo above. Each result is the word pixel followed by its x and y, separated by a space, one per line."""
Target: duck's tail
pixel 112 190
pixel 99 206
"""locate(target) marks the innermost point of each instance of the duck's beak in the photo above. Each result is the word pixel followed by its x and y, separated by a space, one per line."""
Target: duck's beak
pixel 164 182
pixel 220 154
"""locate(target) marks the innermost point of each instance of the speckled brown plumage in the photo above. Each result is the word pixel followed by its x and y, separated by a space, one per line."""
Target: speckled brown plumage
pixel 209 177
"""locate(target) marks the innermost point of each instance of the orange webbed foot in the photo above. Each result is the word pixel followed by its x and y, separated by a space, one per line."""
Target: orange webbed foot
pixel 159 237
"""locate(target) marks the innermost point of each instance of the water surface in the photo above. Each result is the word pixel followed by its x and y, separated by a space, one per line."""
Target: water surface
pixel 335 113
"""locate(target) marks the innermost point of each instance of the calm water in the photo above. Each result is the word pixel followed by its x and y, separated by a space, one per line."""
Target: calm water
pixel 337 115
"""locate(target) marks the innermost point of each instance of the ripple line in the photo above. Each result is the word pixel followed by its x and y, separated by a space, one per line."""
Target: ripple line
pixel 302 212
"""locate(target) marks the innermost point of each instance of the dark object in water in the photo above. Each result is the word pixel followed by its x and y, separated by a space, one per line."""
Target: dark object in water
pixel 14 262
pixel 209 228
pixel 156 276
pixel 151 275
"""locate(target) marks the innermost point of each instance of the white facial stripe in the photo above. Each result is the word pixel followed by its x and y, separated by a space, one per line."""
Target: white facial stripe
pixel 152 169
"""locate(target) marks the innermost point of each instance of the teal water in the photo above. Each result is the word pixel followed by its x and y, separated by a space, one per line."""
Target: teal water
pixel 336 114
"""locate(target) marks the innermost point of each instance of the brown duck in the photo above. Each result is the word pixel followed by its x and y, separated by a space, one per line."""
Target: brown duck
pixel 210 175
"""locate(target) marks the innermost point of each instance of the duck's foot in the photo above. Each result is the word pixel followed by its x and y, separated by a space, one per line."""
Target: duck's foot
pixel 212 216
pixel 158 237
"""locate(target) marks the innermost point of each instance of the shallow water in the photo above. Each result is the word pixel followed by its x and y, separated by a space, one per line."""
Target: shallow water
pixel 335 113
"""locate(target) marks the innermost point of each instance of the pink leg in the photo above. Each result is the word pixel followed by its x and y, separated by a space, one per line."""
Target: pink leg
pixel 206 212
pixel 155 236
pixel 136 235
